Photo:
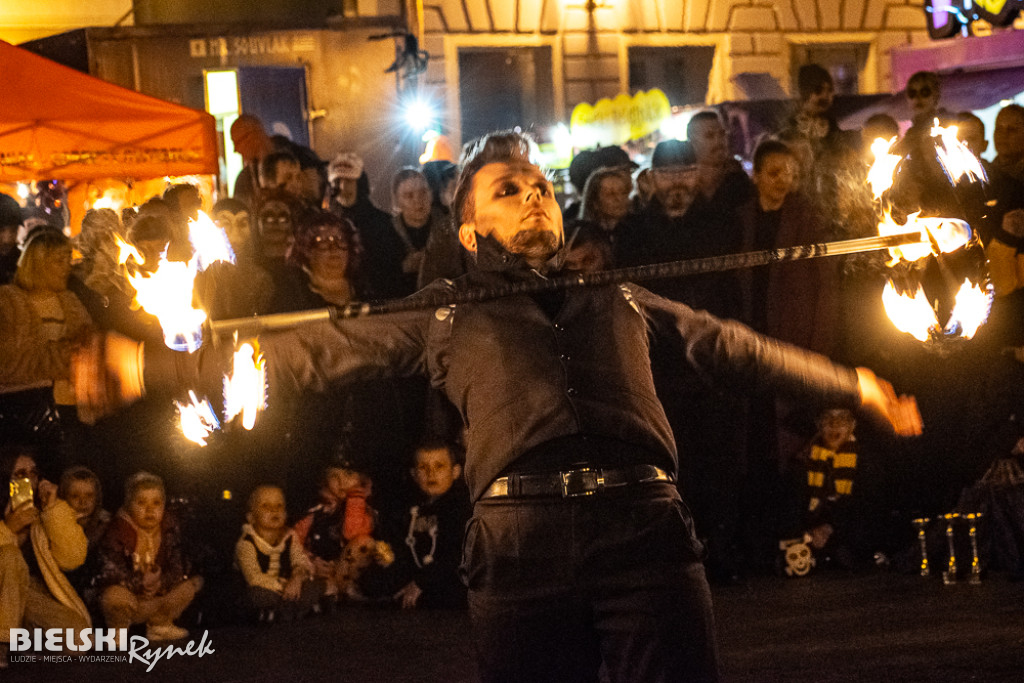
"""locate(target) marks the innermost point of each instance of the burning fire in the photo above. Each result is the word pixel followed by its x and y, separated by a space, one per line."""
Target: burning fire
pixel 167 293
pixel 245 387
pixel 196 419
pixel 910 310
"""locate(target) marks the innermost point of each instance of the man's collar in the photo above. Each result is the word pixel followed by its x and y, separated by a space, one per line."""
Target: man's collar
pixel 492 256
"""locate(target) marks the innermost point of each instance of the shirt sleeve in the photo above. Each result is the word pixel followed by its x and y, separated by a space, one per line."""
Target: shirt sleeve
pixel 300 561
pixel 309 357
pixel 727 352
pixel 68 543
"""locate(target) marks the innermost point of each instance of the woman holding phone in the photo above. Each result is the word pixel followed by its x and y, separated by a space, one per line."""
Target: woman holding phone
pixel 39 541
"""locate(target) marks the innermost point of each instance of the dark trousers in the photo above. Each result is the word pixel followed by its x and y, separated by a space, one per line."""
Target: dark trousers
pixel 258 598
pixel 608 585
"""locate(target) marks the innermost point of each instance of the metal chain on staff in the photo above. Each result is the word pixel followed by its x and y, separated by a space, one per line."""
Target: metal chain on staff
pixel 657 271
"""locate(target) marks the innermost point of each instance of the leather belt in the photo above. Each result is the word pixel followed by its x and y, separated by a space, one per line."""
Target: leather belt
pixel 585 481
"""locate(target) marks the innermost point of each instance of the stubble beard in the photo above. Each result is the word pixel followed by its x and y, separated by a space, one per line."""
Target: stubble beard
pixel 534 245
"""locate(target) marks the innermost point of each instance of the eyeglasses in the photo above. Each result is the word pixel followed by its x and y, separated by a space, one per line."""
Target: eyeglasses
pixel 329 242
pixel 914 93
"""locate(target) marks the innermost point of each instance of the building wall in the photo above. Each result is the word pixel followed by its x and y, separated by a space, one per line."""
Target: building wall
pixel 21 21
pixel 347 86
pixel 590 41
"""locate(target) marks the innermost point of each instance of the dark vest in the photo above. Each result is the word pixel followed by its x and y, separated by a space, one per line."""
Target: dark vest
pixel 264 559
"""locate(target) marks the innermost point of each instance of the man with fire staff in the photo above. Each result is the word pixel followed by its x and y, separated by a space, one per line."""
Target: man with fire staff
pixel 580 557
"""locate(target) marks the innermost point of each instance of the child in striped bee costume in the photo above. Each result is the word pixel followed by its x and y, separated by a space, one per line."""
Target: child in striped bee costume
pixel 831 465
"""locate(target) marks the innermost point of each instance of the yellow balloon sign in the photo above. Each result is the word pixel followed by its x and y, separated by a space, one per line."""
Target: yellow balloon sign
pixel 619 120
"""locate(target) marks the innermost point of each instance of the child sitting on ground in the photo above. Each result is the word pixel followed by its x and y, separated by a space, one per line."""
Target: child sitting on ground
pixel 143 576
pixel 80 487
pixel 278 575
pixel 338 533
pixel 428 560
pixel 830 463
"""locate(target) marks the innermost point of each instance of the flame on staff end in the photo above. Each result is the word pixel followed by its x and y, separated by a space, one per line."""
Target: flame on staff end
pixel 245 388
pixel 916 315
pixel 166 292
pixel 196 419
pixel 957 162
pixel 883 170
pixel 973 305
pixel 910 314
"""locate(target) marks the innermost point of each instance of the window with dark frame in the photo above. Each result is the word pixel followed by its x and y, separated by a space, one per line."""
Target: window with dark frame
pixel 682 73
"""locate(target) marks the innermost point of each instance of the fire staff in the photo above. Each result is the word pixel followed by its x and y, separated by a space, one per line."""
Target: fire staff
pixel 580 553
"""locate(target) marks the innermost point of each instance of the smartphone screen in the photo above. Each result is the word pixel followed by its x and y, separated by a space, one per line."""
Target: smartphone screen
pixel 21 491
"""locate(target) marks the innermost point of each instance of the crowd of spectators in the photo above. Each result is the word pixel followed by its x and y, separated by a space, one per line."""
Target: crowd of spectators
pixel 384 503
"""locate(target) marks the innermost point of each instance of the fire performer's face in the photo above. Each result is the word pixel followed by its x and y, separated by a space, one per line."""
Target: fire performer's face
pixel 515 204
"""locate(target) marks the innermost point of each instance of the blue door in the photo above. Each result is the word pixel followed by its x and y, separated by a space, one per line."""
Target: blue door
pixel 277 96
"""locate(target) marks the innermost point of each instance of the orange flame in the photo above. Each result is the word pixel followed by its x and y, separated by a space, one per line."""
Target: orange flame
pixel 245 387
pixel 166 292
pixel 911 314
pixel 915 315
pixel 972 307
pixel 196 419
pixel 956 160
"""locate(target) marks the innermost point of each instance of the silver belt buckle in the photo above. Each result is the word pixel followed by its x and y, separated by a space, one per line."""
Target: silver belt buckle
pixel 582 482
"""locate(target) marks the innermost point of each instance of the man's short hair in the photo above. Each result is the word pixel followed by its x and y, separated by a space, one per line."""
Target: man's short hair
pixel 505 146
pixel 926 78
pixel 883 125
pixel 150 227
pixel 767 149
pixel 1012 108
pixel 971 117
pixel 403 174
pixel 810 79
pixel 269 164
pixel 702 115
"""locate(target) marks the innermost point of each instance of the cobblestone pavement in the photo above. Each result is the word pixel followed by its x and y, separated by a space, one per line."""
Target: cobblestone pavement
pixel 823 628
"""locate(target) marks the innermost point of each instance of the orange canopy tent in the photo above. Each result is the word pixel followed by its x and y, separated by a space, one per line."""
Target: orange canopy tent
pixel 58 123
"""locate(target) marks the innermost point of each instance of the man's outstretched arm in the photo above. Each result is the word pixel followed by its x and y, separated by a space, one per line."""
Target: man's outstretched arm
pixel 727 352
